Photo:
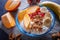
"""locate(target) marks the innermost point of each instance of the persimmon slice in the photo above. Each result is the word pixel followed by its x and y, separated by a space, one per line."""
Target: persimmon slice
pixel 12 5
pixel 21 15
pixel 8 20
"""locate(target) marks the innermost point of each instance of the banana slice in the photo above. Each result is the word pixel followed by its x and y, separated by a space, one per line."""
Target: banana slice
pixel 26 20
pixel 43 9
pixel 47 22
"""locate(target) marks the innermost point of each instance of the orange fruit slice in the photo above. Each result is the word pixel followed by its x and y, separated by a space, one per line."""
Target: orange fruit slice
pixel 8 20
pixel 12 5
pixel 21 15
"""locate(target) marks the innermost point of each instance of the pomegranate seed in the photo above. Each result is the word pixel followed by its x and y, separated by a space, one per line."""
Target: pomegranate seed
pixel 34 14
pixel 39 13
pixel 42 14
pixel 30 15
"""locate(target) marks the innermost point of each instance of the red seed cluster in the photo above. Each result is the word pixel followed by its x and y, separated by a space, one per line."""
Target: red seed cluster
pixel 37 13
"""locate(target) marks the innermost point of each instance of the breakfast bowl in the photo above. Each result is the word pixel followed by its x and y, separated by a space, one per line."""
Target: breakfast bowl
pixel 35 21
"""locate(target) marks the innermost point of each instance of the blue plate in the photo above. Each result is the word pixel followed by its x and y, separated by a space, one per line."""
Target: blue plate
pixel 35 35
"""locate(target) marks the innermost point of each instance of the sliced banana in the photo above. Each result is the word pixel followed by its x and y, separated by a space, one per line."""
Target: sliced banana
pixel 47 21
pixel 43 9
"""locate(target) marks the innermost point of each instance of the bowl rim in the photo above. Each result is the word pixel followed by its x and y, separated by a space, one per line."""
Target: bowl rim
pixel 35 35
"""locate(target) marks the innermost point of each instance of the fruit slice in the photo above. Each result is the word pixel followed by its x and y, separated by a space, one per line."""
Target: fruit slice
pixel 26 20
pixel 12 5
pixel 8 20
pixel 47 21
pixel 32 9
pixel 21 15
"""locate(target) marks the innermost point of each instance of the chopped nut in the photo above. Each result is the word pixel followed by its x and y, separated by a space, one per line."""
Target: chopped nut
pixel 56 36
